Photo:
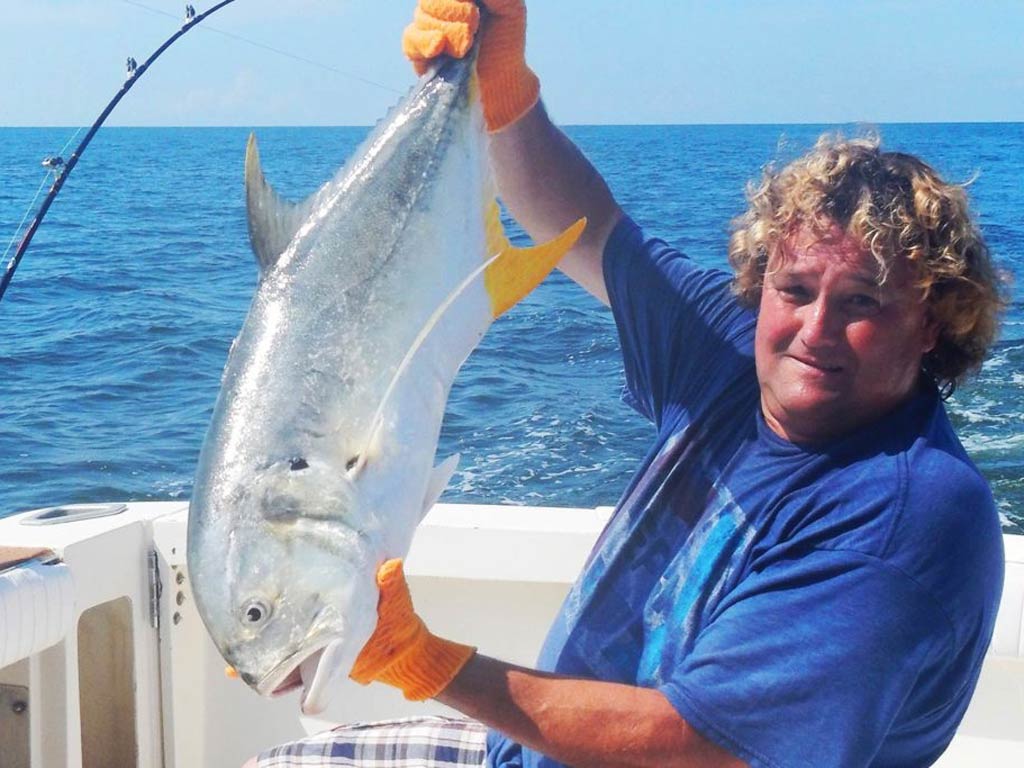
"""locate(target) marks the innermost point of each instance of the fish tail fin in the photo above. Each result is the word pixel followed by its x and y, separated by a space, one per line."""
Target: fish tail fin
pixel 517 271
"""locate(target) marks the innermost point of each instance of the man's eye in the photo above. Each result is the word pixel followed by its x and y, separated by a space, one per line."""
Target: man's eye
pixel 864 303
pixel 793 292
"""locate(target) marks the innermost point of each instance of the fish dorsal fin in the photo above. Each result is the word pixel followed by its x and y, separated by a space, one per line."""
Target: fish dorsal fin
pixel 439 478
pixel 517 271
pixel 273 221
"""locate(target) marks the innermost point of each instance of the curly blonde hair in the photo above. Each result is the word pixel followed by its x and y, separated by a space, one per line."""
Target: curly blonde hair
pixel 898 208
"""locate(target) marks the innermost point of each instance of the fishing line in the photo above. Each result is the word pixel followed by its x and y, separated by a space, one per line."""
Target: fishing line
pixel 278 51
pixel 61 170
pixel 28 208
pixel 68 142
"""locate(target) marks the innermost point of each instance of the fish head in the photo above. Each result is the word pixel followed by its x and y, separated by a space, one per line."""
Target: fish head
pixel 289 582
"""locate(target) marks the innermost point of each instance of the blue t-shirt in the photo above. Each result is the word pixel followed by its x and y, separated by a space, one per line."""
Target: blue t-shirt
pixel 799 607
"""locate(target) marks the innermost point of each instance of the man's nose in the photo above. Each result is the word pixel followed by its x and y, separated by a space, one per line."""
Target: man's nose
pixel 822 324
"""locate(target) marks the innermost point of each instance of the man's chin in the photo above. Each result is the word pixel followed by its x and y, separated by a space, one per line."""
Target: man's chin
pixel 806 420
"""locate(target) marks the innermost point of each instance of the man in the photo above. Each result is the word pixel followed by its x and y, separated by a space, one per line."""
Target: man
pixel 806 568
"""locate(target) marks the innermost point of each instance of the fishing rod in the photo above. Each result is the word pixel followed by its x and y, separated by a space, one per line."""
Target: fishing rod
pixel 62 169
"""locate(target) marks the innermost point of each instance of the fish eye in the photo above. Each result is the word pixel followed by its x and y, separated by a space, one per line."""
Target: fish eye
pixel 351 462
pixel 255 613
pixel 296 464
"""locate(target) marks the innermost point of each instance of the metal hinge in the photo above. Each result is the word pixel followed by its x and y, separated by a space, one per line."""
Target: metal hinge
pixel 155 589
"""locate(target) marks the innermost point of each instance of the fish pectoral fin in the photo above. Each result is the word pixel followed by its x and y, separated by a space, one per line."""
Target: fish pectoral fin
pixel 508 276
pixel 370 450
pixel 517 271
pixel 438 481
pixel 273 221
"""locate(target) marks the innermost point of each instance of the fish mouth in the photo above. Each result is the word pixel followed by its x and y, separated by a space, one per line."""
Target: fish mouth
pixel 312 669
pixel 285 677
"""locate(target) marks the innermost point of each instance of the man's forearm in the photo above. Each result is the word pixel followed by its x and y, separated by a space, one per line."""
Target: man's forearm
pixel 580 722
pixel 547 184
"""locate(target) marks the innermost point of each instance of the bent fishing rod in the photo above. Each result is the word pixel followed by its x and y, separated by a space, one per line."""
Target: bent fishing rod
pixel 63 169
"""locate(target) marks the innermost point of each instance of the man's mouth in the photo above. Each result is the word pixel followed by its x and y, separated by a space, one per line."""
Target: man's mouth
pixel 818 365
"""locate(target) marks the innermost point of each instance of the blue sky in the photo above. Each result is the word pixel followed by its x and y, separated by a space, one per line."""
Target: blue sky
pixel 600 61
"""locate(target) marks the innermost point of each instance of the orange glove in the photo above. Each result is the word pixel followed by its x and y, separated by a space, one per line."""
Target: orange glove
pixel 508 88
pixel 402 652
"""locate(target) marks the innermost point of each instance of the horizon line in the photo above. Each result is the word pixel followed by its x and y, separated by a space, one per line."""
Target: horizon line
pixel 864 123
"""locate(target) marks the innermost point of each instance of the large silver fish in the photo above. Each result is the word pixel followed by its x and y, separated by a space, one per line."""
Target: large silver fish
pixel 319 461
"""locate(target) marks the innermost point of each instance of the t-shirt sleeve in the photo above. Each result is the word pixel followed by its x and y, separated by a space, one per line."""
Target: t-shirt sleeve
pixel 682 332
pixel 807 662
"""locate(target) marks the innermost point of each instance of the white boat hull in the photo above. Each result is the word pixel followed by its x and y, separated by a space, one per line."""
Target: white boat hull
pixel 116 690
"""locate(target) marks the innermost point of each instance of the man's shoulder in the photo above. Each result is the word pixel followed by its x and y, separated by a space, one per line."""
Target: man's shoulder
pixel 633 255
pixel 948 511
pixel 903 489
pixel 913 459
pixel 945 492
pixel 924 515
pixel 684 336
pixel 945 533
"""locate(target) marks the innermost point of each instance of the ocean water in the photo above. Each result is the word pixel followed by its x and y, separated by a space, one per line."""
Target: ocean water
pixel 117 326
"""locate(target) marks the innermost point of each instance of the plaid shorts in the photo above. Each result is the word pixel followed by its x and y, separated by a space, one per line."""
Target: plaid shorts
pixel 413 742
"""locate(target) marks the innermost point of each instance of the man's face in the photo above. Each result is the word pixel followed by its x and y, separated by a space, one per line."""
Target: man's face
pixel 834 349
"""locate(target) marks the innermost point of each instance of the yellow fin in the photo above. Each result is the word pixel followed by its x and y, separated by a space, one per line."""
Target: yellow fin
pixel 517 271
pixel 493 231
